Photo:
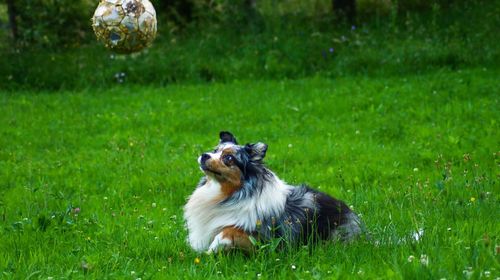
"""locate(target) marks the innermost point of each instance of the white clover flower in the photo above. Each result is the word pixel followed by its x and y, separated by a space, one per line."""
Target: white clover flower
pixel 468 272
pixel 424 260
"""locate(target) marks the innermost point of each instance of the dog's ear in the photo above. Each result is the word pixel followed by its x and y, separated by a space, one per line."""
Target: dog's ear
pixel 226 136
pixel 256 151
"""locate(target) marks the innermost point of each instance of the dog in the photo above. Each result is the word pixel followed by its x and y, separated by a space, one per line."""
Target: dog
pixel 239 201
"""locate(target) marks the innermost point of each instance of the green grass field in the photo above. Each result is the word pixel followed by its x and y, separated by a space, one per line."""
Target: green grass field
pixel 92 183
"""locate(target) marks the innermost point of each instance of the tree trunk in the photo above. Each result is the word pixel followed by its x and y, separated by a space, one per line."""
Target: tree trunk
pixel 11 10
pixel 345 9
pixel 181 11
pixel 249 9
pixel 250 4
pixel 252 17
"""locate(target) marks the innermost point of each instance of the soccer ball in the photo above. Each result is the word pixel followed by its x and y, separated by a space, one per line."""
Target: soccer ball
pixel 125 26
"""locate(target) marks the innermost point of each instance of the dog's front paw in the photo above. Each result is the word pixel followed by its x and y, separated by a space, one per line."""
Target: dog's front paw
pixel 219 243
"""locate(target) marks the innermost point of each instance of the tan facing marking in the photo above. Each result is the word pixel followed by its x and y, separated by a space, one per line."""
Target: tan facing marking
pixel 238 237
pixel 230 176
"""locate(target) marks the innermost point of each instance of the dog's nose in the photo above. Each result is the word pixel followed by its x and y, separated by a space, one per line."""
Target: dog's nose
pixel 204 158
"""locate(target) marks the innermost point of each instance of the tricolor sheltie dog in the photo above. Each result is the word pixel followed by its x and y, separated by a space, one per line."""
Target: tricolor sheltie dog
pixel 239 200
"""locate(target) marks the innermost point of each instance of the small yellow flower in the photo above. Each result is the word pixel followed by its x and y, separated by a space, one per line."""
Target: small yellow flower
pixel 472 199
pixel 258 223
pixel 197 260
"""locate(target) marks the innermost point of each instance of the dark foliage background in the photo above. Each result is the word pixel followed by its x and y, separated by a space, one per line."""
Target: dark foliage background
pixel 48 44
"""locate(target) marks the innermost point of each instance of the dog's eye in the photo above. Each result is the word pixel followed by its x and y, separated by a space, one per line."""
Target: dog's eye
pixel 228 159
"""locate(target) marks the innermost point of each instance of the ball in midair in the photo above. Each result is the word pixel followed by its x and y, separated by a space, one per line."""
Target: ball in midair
pixel 125 26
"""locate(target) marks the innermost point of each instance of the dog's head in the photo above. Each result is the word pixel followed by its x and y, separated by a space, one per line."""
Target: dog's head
pixel 230 164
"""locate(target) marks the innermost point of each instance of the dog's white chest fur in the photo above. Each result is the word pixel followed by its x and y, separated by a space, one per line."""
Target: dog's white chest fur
pixel 205 217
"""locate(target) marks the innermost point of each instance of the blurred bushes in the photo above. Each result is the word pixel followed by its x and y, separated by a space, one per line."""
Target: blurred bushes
pixel 230 42
pixel 60 23
pixel 66 23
